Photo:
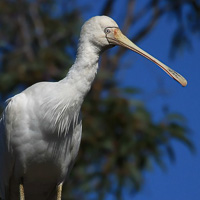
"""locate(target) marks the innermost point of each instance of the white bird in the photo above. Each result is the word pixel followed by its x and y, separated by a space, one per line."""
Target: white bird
pixel 40 129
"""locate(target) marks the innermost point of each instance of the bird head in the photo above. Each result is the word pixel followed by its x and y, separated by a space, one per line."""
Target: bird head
pixel 94 30
pixel 103 32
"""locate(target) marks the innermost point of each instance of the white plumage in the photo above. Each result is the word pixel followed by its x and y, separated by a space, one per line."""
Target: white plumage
pixel 41 127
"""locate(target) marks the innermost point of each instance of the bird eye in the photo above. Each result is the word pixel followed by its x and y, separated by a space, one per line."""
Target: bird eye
pixel 107 30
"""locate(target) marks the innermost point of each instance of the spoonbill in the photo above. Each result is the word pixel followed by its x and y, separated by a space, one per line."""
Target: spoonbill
pixel 40 129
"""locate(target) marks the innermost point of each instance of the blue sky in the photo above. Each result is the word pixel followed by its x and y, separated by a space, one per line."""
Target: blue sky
pixel 181 180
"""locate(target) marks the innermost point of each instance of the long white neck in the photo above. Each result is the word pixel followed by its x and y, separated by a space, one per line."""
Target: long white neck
pixel 83 71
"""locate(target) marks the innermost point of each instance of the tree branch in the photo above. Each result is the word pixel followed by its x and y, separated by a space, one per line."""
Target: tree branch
pixel 39 27
pixel 129 16
pixel 26 37
pixel 107 7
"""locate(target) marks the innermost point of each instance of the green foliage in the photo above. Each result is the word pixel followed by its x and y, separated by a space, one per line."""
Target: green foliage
pixel 120 144
pixel 33 42
pixel 120 139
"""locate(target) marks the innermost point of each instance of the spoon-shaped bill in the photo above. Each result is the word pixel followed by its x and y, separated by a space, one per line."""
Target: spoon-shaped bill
pixel 116 37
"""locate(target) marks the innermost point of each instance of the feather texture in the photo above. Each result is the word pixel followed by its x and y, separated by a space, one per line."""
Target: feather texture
pixel 40 130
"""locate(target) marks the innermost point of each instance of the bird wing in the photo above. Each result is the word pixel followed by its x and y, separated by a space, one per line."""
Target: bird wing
pixel 11 124
pixel 6 158
pixel 41 121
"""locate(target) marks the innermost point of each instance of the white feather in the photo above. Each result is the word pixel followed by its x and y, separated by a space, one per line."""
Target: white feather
pixel 41 127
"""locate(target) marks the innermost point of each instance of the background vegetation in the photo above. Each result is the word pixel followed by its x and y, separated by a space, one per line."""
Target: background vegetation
pixel 38 41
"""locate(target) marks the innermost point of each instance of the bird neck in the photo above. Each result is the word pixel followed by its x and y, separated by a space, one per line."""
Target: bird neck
pixel 83 71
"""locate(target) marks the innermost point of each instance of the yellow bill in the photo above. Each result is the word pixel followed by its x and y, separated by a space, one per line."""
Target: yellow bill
pixel 116 37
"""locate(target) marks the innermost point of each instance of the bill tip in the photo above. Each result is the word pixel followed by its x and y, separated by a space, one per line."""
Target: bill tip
pixel 184 83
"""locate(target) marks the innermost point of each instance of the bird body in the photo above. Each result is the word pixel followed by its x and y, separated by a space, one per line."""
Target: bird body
pixel 35 143
pixel 41 127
